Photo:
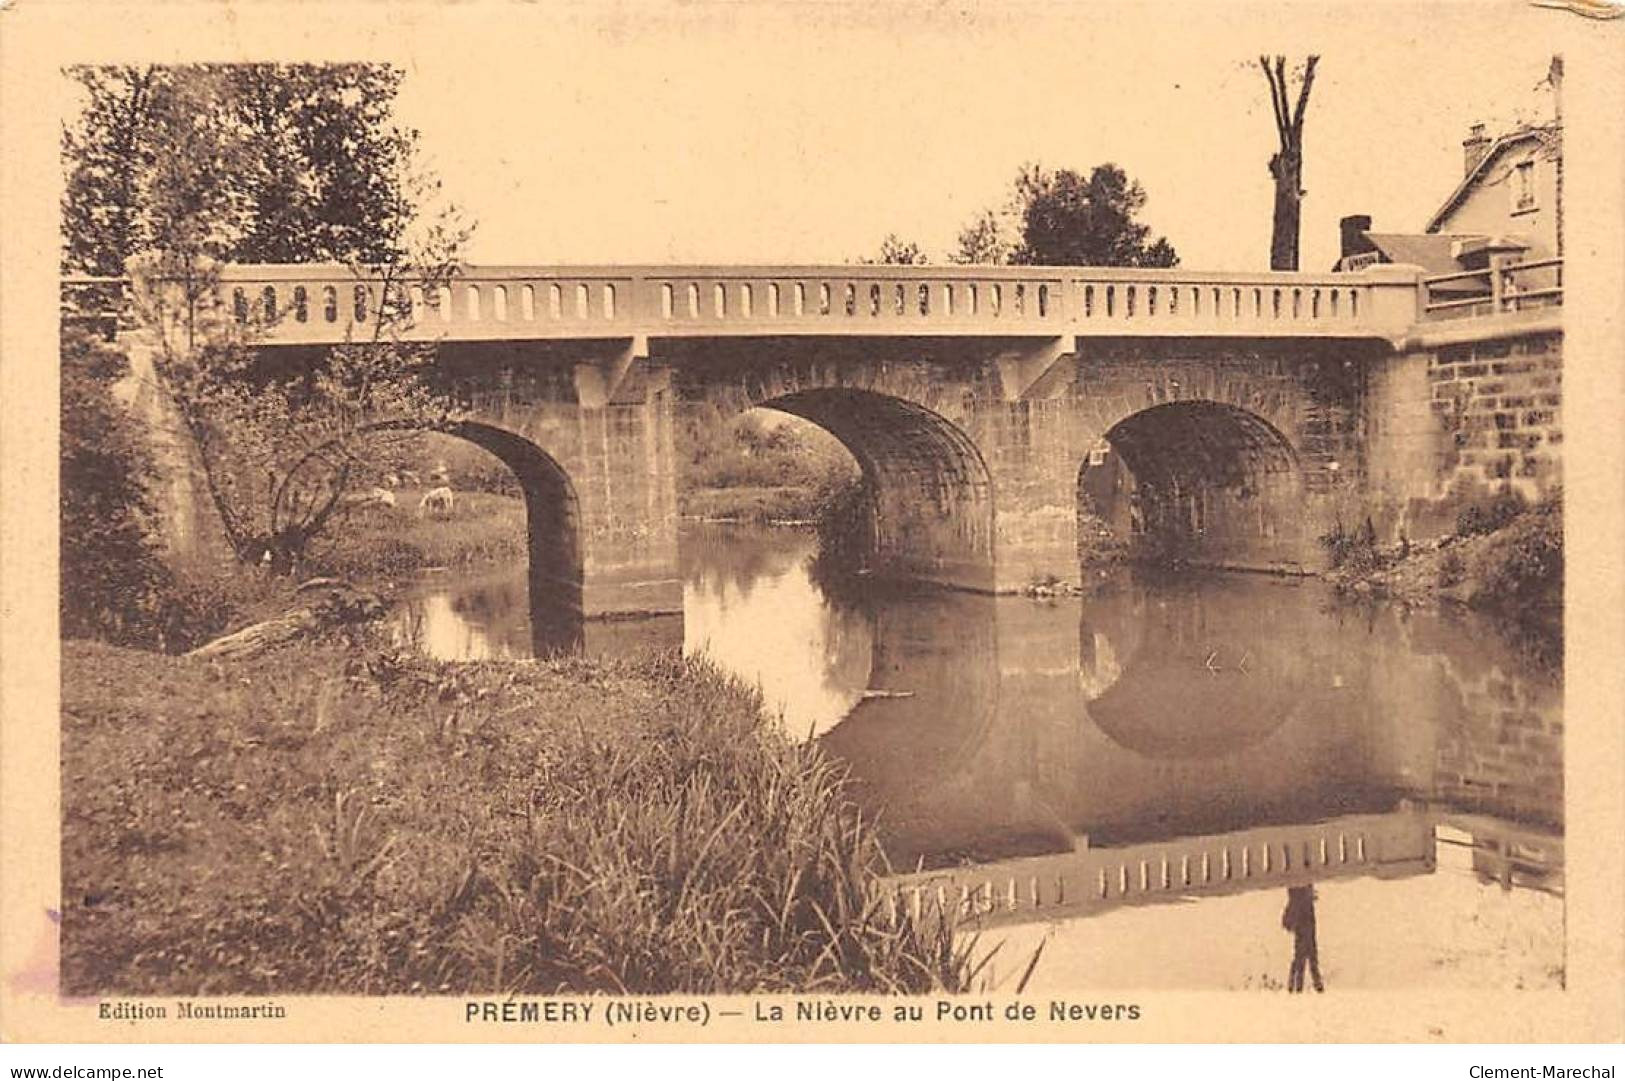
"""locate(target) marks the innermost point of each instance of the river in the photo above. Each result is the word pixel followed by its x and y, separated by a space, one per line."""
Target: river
pixel 1148 716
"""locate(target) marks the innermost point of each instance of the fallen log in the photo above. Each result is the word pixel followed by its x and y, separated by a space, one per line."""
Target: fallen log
pixel 258 637
pixel 329 602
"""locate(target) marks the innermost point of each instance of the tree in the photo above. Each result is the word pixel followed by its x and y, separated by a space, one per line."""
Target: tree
pixel 1067 219
pixel 111 574
pixel 1071 220
pixel 1286 164
pixel 198 164
pixel 283 163
pixel 982 242
pixel 896 251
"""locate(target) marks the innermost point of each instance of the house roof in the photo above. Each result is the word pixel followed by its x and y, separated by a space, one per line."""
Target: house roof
pixel 1433 252
pixel 1496 149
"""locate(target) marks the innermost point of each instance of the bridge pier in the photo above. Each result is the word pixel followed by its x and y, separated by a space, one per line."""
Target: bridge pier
pixel 596 459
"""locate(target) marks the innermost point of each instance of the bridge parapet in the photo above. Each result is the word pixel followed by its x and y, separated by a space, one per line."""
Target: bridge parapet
pixel 1502 290
pixel 325 304
pixel 1092 880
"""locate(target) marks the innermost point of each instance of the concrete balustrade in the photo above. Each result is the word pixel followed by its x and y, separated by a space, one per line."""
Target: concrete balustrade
pixel 1077 883
pixel 319 304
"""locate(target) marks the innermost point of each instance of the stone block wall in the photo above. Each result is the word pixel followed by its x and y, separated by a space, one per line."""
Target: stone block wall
pixel 1449 426
pixel 618 459
pixel 1250 453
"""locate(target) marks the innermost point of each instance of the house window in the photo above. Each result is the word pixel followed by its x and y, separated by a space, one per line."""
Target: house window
pixel 1523 186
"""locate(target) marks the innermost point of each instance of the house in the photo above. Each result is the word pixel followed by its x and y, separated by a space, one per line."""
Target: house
pixel 1506 212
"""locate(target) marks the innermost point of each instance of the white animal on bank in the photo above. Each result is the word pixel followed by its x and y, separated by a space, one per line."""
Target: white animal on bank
pixel 383 497
pixel 436 503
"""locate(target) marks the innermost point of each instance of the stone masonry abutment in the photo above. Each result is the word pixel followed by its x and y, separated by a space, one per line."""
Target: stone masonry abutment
pixel 590 436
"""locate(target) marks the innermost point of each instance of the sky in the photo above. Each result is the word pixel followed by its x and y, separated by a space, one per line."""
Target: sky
pixel 804 133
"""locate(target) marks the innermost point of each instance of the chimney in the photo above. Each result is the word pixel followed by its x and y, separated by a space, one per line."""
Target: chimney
pixel 1474 147
pixel 1353 228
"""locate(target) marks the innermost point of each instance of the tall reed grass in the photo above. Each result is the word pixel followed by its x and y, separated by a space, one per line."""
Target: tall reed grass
pixel 341 820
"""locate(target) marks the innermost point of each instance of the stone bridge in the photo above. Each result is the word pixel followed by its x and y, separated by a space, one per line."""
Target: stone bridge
pixel 1006 418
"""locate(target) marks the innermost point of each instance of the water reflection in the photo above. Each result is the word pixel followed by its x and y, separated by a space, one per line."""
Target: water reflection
pixel 490 618
pixel 1219 737
pixel 482 620
pixel 750 604
pixel 1299 919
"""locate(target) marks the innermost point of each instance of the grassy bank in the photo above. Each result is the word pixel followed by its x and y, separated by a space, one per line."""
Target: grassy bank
pixel 373 546
pixel 764 505
pixel 332 818
pixel 1507 561
pixel 378 542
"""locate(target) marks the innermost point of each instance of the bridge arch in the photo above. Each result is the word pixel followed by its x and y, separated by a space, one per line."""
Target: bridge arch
pixel 928 513
pixel 1193 480
pixel 552 525
pixel 553 531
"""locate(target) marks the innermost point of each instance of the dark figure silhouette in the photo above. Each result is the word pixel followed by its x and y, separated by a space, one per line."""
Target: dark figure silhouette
pixel 1299 918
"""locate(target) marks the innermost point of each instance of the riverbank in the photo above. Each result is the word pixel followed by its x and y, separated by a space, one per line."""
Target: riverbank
pixel 753 505
pixel 378 542
pixel 375 547
pixel 1510 569
pixel 1515 568
pixel 334 817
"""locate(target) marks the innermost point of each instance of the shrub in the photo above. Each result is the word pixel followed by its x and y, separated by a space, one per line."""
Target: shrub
pixel 114 585
pixel 1520 570
pixel 1478 519
pixel 1452 569
pixel 745 453
pixel 1352 550
pixel 485 474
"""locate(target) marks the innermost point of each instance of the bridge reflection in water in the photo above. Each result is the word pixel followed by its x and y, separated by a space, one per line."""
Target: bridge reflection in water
pixel 1161 741
pixel 1087 881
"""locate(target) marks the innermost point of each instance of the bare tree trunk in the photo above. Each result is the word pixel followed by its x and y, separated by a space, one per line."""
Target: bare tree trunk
pixel 1286 165
pixel 1288 204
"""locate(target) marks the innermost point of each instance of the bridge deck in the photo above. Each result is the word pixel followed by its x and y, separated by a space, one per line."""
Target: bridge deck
pixel 320 304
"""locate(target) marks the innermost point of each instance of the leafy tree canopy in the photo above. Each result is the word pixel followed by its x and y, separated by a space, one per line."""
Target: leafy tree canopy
pixel 1065 218
pixel 191 166
pixel 896 251
pixel 238 162
pixel 983 241
pixel 1068 219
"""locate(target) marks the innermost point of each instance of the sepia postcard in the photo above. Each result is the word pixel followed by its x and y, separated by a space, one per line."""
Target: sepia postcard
pixel 817 521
